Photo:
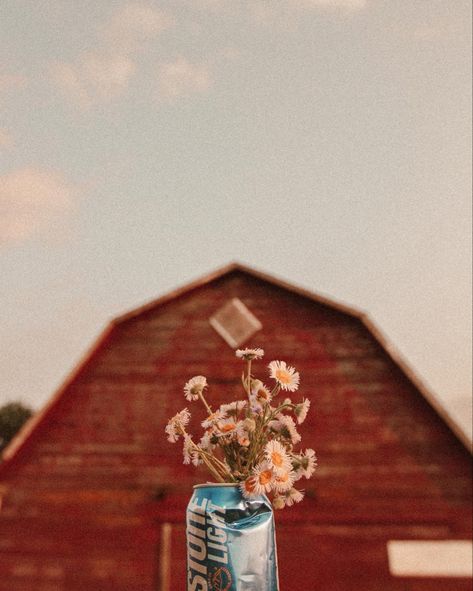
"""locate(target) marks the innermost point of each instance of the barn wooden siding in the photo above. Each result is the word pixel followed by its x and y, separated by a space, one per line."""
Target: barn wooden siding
pixel 94 499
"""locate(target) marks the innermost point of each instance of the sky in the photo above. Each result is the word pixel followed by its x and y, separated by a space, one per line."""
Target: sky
pixel 145 144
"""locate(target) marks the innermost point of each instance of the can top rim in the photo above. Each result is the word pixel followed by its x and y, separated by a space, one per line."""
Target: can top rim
pixel 214 484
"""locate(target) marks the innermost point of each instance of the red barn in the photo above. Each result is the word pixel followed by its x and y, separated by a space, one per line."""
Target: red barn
pixel 93 496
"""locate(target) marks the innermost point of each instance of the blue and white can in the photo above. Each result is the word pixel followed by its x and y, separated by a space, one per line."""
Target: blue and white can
pixel 231 543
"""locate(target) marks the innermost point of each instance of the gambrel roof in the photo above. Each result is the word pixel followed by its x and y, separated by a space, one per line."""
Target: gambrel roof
pixel 363 317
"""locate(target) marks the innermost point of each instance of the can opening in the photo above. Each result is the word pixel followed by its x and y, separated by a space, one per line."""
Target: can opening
pixel 215 484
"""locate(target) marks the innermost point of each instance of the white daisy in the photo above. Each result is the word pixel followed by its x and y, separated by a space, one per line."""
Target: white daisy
pixel 196 459
pixel 205 441
pixel 284 481
pixel 212 419
pixel 275 426
pixel 277 457
pixel 249 354
pixel 194 387
pixel 244 440
pixel 301 410
pixel 187 449
pixel 232 409
pixel 264 477
pixel 285 375
pixel 293 496
pixel 308 461
pixel 259 392
pixel 248 487
pixel 175 427
pixel 228 427
pixel 288 428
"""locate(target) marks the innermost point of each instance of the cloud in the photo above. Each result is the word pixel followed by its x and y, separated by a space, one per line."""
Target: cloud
pixel 33 201
pixel 104 72
pixel 181 77
pixel 93 78
pixel 11 82
pixel 133 24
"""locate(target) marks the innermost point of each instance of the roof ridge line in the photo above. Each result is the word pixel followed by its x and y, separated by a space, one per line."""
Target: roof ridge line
pixel 31 425
pixel 225 270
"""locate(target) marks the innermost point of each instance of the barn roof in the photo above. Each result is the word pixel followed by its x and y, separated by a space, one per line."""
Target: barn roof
pixel 20 441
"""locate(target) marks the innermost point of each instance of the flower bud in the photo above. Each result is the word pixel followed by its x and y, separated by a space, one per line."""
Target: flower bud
pixel 249 425
pixel 278 502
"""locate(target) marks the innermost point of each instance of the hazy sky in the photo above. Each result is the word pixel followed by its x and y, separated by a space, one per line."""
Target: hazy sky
pixel 144 144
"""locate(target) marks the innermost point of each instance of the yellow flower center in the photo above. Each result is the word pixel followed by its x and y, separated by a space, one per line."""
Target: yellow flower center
pixel 283 477
pixel 228 427
pixel 265 477
pixel 262 395
pixel 276 459
pixel 250 484
pixel 283 376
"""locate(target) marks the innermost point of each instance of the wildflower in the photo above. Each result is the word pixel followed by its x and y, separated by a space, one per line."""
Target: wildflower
pixel 249 425
pixel 308 463
pixel 187 449
pixel 275 426
pixel 288 498
pixel 254 437
pixel 243 440
pixel 233 408
pixel 175 426
pixel 301 410
pixel 249 354
pixel 264 477
pixel 205 441
pixel 284 481
pixel 277 457
pixel 293 496
pixel 228 427
pixel 288 428
pixel 196 459
pixel 260 392
pixel 248 487
pixel 213 418
pixel 194 387
pixel 279 502
pixel 256 407
pixel 285 375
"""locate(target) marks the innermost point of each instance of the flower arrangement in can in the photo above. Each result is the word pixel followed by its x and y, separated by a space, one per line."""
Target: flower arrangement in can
pixel 252 441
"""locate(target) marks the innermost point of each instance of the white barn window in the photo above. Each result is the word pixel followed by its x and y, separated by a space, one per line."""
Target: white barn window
pixel 416 558
pixel 235 323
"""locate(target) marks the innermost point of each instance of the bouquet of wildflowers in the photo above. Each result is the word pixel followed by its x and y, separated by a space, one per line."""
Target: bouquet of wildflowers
pixel 251 441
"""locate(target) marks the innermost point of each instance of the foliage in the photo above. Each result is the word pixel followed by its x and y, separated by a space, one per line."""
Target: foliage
pixel 13 415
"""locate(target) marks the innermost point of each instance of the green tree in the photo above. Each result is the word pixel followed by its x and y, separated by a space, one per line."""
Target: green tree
pixel 12 416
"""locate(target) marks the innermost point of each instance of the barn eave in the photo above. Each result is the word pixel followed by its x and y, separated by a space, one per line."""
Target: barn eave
pixel 19 442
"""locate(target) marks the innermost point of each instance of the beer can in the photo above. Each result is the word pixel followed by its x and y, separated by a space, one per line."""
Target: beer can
pixel 231 543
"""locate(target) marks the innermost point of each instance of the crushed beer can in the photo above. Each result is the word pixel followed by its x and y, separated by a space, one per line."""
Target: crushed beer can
pixel 231 542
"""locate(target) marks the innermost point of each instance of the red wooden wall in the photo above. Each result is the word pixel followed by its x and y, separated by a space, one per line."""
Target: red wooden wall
pixel 90 489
